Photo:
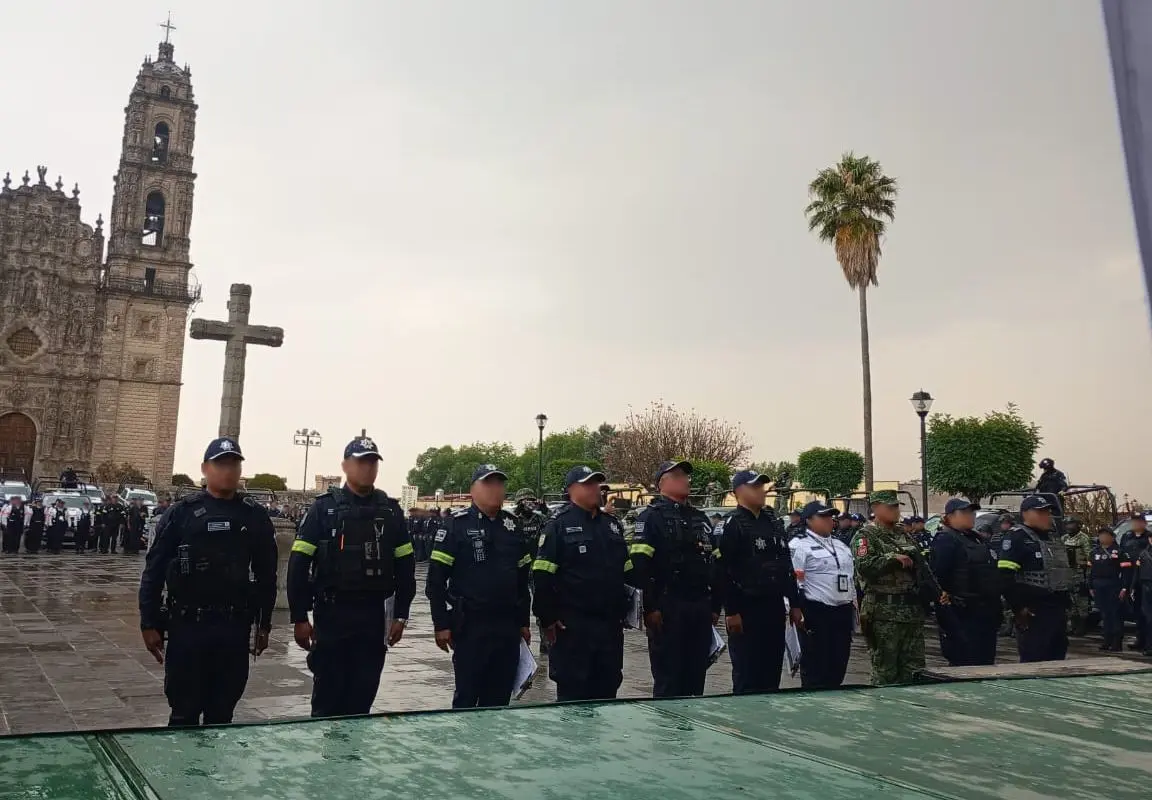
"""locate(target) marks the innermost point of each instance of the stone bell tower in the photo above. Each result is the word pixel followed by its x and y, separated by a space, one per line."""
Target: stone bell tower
pixel 146 283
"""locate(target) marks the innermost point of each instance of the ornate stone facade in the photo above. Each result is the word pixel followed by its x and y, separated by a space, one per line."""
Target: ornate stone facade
pixel 91 350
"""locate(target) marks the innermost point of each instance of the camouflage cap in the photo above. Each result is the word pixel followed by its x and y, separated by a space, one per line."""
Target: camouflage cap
pixel 885 496
pixel 524 494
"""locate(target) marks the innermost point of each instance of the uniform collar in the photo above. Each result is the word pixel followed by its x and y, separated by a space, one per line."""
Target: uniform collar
pixel 482 515
pixel 747 513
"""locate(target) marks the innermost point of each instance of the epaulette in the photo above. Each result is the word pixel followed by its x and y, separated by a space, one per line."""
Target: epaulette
pixel 190 499
pixel 461 512
pixel 251 501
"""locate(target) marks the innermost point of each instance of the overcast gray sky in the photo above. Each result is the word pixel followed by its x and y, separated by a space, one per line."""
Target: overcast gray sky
pixel 445 204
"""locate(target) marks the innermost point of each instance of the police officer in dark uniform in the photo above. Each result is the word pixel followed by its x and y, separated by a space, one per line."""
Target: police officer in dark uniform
pixel 34 536
pixel 352 552
pixel 1137 545
pixel 1107 568
pixel 581 597
pixel 14 525
pixel 83 528
pixel 68 479
pixel 966 569
pixel 796 525
pixel 752 577
pixel 478 592
pixel 57 526
pixel 671 554
pixel 134 527
pixel 1038 582
pixel 112 518
pixel 206 546
pixel 1052 480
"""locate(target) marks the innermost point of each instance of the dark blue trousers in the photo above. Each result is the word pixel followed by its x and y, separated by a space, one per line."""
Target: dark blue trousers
pixel 485 655
pixel 1047 636
pixel 587 661
pixel 758 653
pixel 347 658
pixel 968 635
pixel 205 670
pixel 1106 594
pixel 678 652
pixel 825 644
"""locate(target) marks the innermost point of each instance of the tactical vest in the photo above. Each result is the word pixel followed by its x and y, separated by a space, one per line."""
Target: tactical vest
pixel 356 556
pixel 765 566
pixel 977 578
pixel 211 567
pixel 1075 553
pixel 593 553
pixel 689 545
pixel 1055 575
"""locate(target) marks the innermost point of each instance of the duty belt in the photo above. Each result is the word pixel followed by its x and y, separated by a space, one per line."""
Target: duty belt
pixel 903 599
pixel 208 613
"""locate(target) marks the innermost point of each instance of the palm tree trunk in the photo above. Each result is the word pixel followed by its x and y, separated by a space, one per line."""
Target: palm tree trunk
pixel 866 364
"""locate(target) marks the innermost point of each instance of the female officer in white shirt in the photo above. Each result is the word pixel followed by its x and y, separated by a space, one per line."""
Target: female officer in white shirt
pixel 825 574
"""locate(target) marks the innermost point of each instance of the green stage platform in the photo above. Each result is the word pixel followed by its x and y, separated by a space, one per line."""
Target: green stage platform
pixel 1076 737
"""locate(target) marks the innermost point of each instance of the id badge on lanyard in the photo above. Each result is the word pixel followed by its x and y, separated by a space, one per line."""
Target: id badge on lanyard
pixel 841 578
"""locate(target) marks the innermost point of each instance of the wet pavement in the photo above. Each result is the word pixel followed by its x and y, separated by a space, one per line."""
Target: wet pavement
pixel 71 657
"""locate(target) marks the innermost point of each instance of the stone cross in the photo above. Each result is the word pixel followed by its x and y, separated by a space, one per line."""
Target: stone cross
pixel 238 334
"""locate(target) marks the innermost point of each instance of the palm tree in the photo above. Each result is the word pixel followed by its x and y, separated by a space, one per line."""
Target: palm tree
pixel 849 205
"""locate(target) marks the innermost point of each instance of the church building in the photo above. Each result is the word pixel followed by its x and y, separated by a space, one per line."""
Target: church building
pixel 92 337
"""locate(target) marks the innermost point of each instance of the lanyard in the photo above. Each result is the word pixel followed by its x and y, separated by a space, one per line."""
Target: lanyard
pixel 830 550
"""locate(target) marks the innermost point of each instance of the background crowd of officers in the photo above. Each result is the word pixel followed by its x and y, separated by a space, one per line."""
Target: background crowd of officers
pixel 352 578
pixel 109 524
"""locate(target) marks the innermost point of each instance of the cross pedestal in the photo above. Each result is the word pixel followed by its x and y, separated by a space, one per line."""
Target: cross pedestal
pixel 237 334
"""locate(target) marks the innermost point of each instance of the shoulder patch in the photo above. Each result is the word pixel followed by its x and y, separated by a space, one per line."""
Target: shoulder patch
pixel 460 512
pixel 441 535
pixel 1006 545
pixel 639 527
pixel 540 543
pixel 862 547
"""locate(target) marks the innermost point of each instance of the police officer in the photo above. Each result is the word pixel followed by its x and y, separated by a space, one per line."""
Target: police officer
pixel 966 569
pixel 581 598
pixel 1135 546
pixel 205 547
pixel 479 566
pixel 753 577
pixel 57 526
pixel 1038 582
pixel 34 535
pixel 112 515
pixel 15 515
pixel 352 552
pixel 134 527
pixel 68 479
pixel 671 551
pixel 1139 555
pixel 1108 567
pixel 1052 480
pixel 795 525
pixel 825 573
pixel 920 534
pixel 83 528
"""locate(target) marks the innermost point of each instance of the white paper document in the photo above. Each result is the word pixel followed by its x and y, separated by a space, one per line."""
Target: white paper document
pixel 525 671
pixel 792 647
pixel 717 649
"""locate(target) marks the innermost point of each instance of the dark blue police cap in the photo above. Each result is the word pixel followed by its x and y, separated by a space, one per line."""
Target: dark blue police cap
pixel 960 504
pixel 748 476
pixel 1035 503
pixel 224 446
pixel 485 471
pixel 817 509
pixel 362 447
pixel 668 466
pixel 583 474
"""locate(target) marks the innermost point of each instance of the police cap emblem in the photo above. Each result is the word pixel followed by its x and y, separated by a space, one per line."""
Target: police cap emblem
pixel 226 444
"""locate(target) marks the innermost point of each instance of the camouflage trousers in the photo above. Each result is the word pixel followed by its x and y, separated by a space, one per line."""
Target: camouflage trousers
pixel 1078 613
pixel 898 654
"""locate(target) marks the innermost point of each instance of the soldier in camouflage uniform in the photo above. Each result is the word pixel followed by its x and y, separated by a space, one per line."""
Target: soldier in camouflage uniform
pixel 1080 559
pixel 894 577
pixel 527 511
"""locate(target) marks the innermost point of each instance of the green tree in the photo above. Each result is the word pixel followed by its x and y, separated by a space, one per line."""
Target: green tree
pixel 837 469
pixel 180 479
pixel 978 456
pixel 450 468
pixel 774 469
pixel 849 203
pixel 711 480
pixel 266 480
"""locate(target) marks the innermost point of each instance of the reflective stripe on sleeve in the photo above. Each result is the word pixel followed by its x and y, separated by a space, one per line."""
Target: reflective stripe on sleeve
pixel 405 549
pixel 1012 565
pixel 643 549
pixel 541 565
pixel 628 565
pixel 525 561
pixel 442 557
pixel 301 546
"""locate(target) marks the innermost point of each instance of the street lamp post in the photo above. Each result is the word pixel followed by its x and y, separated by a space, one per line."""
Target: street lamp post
pixel 922 403
pixel 306 439
pixel 541 421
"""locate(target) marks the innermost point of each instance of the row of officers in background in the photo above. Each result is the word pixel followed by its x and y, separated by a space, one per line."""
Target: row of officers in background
pixel 102 527
pixel 351 581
